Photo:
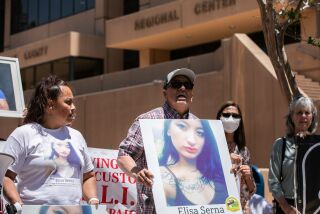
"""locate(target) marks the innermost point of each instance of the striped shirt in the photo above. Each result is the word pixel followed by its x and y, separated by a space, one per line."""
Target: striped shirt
pixel 132 146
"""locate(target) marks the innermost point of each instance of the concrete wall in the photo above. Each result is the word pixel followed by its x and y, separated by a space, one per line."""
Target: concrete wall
pixel 83 22
pixel 255 87
pixel 57 47
pixel 183 23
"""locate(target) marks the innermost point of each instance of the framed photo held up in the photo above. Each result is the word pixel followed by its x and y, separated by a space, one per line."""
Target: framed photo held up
pixel 191 165
pixel 11 92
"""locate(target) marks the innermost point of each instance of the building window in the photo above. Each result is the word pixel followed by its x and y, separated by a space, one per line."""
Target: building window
pixel 292 35
pixel 68 69
pixel 55 9
pixel 43 12
pixel 61 68
pixel 67 8
pixel 130 6
pixel 130 59
pixel 27 14
pixel 194 50
pixel 79 6
pixel 90 3
pixel 41 71
pixel 33 13
pixel 84 67
pixel 27 77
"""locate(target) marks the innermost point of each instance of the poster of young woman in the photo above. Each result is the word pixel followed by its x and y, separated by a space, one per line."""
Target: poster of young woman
pixel 191 166
pixel 11 93
pixel 64 209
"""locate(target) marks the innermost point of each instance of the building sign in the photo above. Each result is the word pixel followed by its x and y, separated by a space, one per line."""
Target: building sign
pixel 208 6
pixel 155 20
pixel 41 51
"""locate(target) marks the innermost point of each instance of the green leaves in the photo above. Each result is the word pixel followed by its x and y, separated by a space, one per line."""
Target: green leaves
pixel 314 41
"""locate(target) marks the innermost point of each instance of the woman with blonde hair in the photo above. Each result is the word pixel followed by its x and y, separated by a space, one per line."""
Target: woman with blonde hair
pixel 301 120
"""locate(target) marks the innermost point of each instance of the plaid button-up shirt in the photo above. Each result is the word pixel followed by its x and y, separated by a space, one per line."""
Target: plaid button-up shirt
pixel 132 146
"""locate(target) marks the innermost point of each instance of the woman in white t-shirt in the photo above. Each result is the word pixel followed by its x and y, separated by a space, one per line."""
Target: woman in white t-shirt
pixel 50 112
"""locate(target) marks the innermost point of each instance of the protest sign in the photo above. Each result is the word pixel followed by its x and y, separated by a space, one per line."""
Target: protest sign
pixel 11 93
pixel 64 209
pixel 308 175
pixel 191 166
pixel 114 187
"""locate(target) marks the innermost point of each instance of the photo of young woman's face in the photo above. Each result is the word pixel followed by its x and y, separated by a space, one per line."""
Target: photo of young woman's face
pixel 187 137
pixel 64 210
pixel 62 149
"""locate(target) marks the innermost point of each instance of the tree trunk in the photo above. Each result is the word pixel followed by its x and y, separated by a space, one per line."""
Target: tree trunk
pixel 273 32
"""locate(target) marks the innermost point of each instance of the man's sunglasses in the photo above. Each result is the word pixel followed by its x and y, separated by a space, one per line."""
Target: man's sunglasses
pixel 178 85
pixel 227 115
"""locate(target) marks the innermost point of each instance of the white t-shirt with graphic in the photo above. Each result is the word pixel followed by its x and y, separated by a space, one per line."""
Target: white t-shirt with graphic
pixel 49 163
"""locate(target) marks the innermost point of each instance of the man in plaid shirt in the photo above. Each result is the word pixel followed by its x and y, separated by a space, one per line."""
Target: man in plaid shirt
pixel 177 91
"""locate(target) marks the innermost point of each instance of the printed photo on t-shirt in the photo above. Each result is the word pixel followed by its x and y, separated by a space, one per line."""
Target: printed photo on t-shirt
pixel 66 160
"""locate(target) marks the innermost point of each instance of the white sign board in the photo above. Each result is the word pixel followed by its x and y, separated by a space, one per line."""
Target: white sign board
pixel 115 189
pixel 64 209
pixel 11 93
pixel 191 166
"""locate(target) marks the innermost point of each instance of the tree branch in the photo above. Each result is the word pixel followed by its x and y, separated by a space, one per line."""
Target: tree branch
pixel 274 32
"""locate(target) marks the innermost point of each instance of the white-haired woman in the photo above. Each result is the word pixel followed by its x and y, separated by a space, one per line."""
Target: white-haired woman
pixel 301 121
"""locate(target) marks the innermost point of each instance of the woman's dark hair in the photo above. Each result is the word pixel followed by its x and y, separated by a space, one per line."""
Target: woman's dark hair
pixel 239 135
pixel 208 161
pixel 72 157
pixel 47 89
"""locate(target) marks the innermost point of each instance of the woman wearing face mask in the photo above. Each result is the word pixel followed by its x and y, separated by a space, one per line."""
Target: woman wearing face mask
pixel 190 164
pixel 231 118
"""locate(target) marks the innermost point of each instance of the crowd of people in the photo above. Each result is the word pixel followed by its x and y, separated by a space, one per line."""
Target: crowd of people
pixel 51 157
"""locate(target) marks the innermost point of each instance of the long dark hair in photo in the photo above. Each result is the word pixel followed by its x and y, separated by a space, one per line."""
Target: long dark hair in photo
pixel 47 89
pixel 208 161
pixel 72 157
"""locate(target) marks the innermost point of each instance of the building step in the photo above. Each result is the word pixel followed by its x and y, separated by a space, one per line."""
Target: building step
pixel 308 86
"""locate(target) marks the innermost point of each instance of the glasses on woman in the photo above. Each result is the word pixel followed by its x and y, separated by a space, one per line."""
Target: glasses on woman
pixel 178 84
pixel 227 115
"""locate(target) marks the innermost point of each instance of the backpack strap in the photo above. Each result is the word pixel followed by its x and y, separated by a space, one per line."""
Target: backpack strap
pixel 284 142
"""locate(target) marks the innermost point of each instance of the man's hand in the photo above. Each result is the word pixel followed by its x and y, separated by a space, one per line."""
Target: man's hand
pixel 143 176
